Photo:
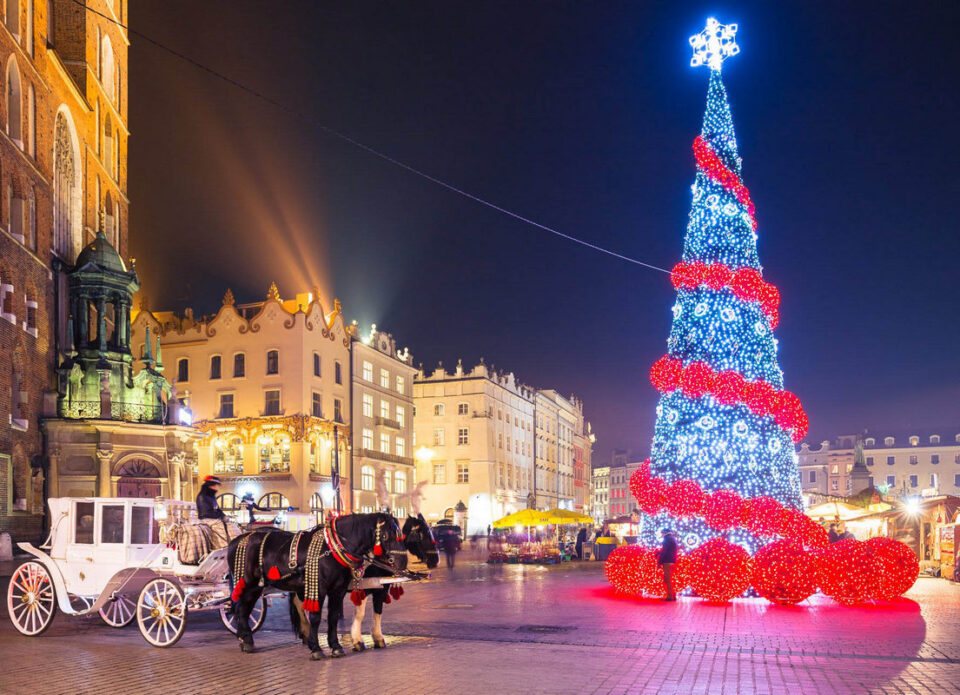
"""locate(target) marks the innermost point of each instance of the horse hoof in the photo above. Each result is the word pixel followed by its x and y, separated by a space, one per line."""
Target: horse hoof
pixel 317 655
pixel 246 648
pixel 359 647
pixel 382 644
pixel 336 653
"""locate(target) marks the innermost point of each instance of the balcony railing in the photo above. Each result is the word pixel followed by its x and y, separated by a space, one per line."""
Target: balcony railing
pixel 387 422
pixel 393 458
pixel 127 412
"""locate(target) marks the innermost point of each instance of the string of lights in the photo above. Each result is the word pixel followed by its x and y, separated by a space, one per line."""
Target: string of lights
pixel 295 113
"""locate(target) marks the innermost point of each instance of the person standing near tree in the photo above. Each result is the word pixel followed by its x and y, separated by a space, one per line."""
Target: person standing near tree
pixel 667 559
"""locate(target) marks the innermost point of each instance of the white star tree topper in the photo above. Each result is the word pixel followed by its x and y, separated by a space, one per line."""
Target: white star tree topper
pixel 714 44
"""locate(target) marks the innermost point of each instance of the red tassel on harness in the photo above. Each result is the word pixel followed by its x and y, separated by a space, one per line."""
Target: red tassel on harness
pixel 273 574
pixel 311 606
pixel 357 596
pixel 386 599
pixel 396 591
pixel 238 589
pixel 378 549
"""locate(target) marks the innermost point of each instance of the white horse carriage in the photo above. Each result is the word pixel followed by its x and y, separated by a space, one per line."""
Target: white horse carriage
pixel 117 556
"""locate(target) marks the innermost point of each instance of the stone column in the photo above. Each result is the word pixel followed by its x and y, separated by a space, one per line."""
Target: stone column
pixel 175 464
pixel 103 479
pixel 102 324
pixel 53 475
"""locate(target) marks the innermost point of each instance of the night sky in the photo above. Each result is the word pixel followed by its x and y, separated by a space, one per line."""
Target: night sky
pixel 580 116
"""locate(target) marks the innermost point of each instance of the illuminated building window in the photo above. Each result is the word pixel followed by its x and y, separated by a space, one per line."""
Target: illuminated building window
pixel 367 441
pixel 274 452
pixel 400 446
pixel 401 415
pixel 385 409
pixel 14 119
pixel 215 367
pixel 274 501
pixel 384 379
pixel 384 443
pixel 462 408
pixel 463 471
pixel 439 473
pixel 438 436
pixel 366 478
pixel 239 366
pixel 400 483
pixel 273 362
pixel 438 409
pixel 367 371
pixel 400 384
pixel 367 405
pixel 228 455
pixel 463 435
pixel 271 402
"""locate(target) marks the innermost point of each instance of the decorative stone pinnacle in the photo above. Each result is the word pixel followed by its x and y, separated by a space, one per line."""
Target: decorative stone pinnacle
pixel 228 299
pixel 273 292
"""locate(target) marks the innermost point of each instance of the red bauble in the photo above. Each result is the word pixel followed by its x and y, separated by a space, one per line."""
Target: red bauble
pixel 729 387
pixel 718 570
pixel 813 535
pixel 761 397
pixel 697 379
pixel 665 373
pixel 676 275
pixel 652 573
pixel 622 569
pixel 717 276
pixel 747 284
pixel 848 572
pixel 769 297
pixel 783 572
pixel 723 509
pixel 898 565
pixel 694 273
pixel 685 498
pixel 764 516
pixel 639 480
pixel 653 496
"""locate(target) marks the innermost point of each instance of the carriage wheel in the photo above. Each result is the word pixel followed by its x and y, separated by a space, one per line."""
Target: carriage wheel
pixel 119 611
pixel 162 612
pixel 31 600
pixel 257 615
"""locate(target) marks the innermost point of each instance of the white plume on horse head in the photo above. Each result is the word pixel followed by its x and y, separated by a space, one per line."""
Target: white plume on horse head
pixel 383 496
pixel 416 496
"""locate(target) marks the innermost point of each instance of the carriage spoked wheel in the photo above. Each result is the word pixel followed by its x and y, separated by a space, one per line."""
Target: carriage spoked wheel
pixel 119 611
pixel 257 615
pixel 31 600
pixel 162 612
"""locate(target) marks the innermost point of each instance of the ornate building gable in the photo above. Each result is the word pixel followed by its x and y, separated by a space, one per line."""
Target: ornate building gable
pixel 227 320
pixel 272 313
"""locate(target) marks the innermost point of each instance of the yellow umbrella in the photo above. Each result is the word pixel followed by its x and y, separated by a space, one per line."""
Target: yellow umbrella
pixel 566 516
pixel 525 517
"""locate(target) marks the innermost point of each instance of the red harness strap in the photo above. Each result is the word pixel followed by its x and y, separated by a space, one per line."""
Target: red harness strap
pixel 337 549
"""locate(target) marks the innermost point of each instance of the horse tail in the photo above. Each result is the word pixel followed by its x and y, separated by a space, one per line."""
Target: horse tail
pixel 301 629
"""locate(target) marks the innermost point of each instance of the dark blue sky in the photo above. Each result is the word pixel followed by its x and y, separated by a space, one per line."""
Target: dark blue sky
pixel 580 116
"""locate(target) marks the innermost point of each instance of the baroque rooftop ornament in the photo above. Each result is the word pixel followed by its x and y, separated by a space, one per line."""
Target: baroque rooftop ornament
pixel 273 292
pixel 714 44
pixel 228 299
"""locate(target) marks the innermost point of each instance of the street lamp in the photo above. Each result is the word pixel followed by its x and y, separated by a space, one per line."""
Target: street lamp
pixel 424 455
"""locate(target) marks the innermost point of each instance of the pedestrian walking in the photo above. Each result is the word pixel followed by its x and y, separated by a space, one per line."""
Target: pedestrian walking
pixel 581 538
pixel 834 536
pixel 449 543
pixel 667 559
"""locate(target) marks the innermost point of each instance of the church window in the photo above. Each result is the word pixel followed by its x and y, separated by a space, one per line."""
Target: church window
pixel 66 189
pixel 13 17
pixel 14 120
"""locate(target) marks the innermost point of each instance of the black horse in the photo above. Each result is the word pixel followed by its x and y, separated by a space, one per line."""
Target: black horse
pixel 265 562
pixel 419 540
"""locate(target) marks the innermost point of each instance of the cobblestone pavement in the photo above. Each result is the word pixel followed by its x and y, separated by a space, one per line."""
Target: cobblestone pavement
pixel 525 630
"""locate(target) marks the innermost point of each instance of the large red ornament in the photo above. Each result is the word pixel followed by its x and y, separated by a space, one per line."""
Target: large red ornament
pixel 639 480
pixel 848 571
pixel 697 379
pixel 622 569
pixel 899 567
pixel 716 276
pixel 764 516
pixel 665 373
pixel 760 397
pixel 653 496
pixel 783 572
pixel 685 498
pixel 718 570
pixel 652 574
pixel 723 509
pixel 729 387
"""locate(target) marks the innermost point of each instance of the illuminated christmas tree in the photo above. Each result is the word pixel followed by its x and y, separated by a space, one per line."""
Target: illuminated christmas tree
pixel 724 421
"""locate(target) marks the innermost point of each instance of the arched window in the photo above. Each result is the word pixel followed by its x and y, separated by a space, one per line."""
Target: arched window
pixel 32 219
pixel 14 98
pixel 366 478
pixel 66 188
pixel 28 30
pixel 110 220
pixel 274 500
pixel 228 502
pixel 108 145
pixel 274 452
pixel 316 503
pixel 13 16
pixel 400 482
pixel 31 121
pixel 228 455
pixel 107 75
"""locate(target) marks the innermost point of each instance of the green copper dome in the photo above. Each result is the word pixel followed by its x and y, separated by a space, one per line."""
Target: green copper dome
pixel 101 254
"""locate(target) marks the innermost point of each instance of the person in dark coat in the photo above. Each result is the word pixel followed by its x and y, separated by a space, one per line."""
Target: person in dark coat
pixel 834 536
pixel 667 559
pixel 581 539
pixel 207 506
pixel 449 543
pixel 249 505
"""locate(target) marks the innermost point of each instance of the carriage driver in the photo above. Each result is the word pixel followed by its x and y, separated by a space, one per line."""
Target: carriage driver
pixel 207 506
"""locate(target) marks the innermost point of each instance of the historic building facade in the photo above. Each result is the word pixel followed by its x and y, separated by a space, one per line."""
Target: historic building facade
pixel 269 387
pixel 902 464
pixel 63 151
pixel 600 503
pixel 474 437
pixel 110 432
pixel 497 446
pixel 382 416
